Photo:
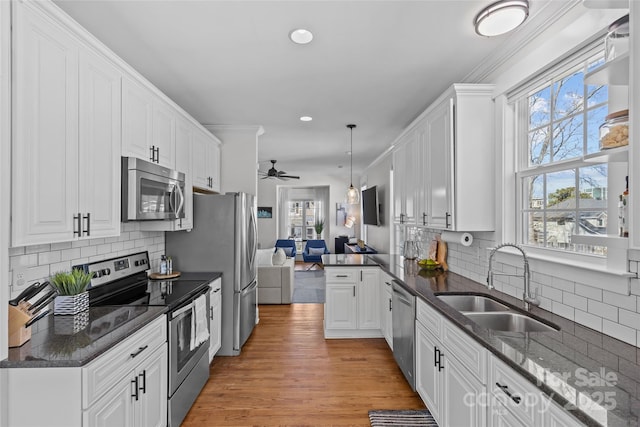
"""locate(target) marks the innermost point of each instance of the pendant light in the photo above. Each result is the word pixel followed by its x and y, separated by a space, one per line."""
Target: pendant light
pixel 353 196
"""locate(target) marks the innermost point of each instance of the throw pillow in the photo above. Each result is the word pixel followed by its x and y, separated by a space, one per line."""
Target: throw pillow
pixel 316 251
pixel 264 256
pixel 288 251
pixel 279 257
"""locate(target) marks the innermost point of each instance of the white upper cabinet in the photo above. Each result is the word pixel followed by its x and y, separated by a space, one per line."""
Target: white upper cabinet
pixel 405 184
pixel 58 195
pixel 206 161
pixel 148 125
pixel 99 148
pixel 461 160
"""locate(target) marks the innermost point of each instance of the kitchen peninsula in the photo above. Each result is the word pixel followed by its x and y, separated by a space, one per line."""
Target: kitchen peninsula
pixel 564 368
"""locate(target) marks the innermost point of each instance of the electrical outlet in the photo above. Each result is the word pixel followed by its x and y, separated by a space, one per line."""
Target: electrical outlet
pixel 19 277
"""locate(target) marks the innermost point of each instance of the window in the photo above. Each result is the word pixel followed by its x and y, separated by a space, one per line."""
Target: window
pixel 561 194
pixel 302 219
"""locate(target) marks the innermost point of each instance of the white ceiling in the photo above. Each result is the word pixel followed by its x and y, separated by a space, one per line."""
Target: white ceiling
pixel 377 64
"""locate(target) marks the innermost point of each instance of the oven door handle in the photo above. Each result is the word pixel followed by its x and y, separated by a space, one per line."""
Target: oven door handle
pixel 180 197
pixel 182 310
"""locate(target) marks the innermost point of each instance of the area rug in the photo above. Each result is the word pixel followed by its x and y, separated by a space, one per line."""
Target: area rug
pixel 308 287
pixel 405 418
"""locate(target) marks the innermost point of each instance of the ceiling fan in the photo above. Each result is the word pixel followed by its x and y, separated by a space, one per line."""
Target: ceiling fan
pixel 273 173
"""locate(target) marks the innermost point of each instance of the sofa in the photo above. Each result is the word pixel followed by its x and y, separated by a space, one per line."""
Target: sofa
pixel 275 280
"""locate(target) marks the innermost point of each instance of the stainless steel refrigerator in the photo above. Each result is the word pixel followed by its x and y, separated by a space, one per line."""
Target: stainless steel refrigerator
pixel 223 239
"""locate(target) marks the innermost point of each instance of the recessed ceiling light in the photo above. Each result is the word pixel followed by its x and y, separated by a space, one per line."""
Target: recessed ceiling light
pixel 306 118
pixel 501 17
pixel 301 36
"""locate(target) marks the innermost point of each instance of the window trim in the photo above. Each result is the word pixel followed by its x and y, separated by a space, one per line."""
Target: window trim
pixel 517 101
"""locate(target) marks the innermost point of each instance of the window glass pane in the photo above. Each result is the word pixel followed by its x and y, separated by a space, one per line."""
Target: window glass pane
pixel 533 228
pixel 539 147
pixel 568 94
pixel 596 95
pixel 533 186
pixel 568 137
pixel 539 108
pixel 561 190
pixel 595 118
pixel 560 226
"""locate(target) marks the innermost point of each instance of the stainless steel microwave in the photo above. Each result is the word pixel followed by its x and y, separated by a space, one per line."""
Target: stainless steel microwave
pixel 151 191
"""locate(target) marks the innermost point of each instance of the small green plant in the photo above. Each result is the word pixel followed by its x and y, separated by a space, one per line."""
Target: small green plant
pixel 319 226
pixel 71 283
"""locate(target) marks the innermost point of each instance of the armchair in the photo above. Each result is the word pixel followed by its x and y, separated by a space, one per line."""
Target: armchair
pixel 288 245
pixel 313 252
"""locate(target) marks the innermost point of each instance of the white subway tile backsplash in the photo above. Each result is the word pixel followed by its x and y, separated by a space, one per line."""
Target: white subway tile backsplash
pixel 627 302
pixel 88 251
pixel 589 292
pixel 21 261
pixel 16 251
pixel 552 293
pixel 37 248
pixel 49 257
pixel 60 246
pixel 629 318
pixel 117 246
pixel 621 332
pixel 129 244
pixel 103 249
pixel 80 244
pixel 69 254
pixel 59 266
pixel 564 285
pixel 605 311
pixel 574 300
pixel 589 320
pixel 563 310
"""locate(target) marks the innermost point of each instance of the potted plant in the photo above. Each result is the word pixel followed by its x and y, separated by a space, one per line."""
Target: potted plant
pixel 319 226
pixel 72 291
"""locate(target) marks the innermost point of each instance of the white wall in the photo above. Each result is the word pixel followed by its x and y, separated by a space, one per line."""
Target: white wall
pixel 378 175
pixel 267 196
pixel 238 157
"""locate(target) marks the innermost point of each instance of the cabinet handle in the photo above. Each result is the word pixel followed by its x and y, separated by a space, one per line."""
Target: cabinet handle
pixel 506 391
pixel 140 350
pixel 361 275
pixel 135 388
pixel 435 356
pixel 440 364
pixel 87 232
pixel 341 275
pixel 354 291
pixel 157 154
pixel 153 154
pixel 424 218
pixel 446 219
pixel 401 218
pixel 143 375
pixel 390 304
pixel 211 313
pixel 77 228
pixel 216 291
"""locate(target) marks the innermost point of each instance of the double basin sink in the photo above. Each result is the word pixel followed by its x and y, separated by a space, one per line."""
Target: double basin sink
pixel 494 315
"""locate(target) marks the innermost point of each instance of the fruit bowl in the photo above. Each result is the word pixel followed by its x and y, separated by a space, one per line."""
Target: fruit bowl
pixel 429 264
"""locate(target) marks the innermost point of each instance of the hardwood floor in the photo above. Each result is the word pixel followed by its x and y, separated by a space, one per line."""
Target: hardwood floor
pixel 289 375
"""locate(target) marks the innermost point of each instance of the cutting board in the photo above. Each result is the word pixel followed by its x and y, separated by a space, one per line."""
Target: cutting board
pixel 158 276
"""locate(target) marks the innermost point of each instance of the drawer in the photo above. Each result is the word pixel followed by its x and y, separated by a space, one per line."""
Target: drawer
pixel 514 392
pixel 429 317
pixel 341 275
pixel 107 370
pixel 465 349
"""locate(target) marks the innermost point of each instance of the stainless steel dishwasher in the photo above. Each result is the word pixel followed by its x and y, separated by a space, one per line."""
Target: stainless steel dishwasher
pixel 404 318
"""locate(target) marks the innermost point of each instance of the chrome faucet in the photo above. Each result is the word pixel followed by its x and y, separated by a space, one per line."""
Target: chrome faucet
pixel 526 296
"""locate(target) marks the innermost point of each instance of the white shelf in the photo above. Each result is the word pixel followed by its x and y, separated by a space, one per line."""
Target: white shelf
pixel 612 155
pixel 615 72
pixel 609 240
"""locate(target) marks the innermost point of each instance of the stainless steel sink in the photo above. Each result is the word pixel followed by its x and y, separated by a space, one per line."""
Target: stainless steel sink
pixel 508 322
pixel 472 303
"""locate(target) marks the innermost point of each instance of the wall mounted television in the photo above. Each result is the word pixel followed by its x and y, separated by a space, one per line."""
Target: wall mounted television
pixel 370 206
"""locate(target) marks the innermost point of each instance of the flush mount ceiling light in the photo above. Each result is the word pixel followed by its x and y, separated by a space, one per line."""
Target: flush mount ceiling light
pixel 301 36
pixel 353 196
pixel 306 118
pixel 501 17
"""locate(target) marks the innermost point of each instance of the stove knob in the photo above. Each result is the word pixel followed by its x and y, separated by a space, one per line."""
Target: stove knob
pixel 106 271
pixel 97 274
pixel 137 263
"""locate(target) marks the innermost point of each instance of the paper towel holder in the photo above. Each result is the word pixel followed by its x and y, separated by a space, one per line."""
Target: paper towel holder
pixel 464 239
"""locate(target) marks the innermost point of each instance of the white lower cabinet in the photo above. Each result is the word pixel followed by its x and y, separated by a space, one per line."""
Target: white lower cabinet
pixel 352 307
pixel 139 399
pixel 450 371
pixel 215 318
pixel 126 386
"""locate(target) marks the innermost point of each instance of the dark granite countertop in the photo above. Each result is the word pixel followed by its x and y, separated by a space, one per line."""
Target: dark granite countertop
pixel 594 376
pixel 57 342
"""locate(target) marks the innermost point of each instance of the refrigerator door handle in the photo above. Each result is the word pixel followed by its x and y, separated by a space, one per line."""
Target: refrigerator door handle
pixel 249 288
